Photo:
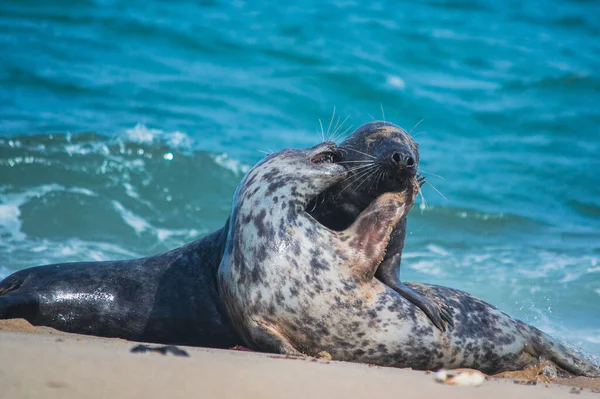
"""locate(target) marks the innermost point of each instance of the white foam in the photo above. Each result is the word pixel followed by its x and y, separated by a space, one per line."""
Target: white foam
pixel 77 149
pixel 142 134
pixel 431 267
pixel 10 213
pixel 396 82
pixel 233 165
pixel 137 223
pixel 437 250
pixel 81 190
pixel 164 234
pixel 10 204
pixel 10 220
pixel 131 191
pixel 178 139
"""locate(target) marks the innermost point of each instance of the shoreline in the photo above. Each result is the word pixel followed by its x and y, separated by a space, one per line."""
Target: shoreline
pixel 43 362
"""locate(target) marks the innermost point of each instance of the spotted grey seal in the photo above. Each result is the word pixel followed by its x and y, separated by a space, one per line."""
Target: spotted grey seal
pixel 380 157
pixel 294 286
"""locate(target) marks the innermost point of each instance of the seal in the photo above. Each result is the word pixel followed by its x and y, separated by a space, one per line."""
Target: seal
pixel 169 298
pixel 381 157
pixel 291 285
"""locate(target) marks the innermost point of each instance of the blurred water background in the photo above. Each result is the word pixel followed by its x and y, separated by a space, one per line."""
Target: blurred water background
pixel 125 126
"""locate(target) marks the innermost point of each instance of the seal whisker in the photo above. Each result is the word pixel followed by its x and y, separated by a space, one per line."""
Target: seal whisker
pixel 337 124
pixel 438 191
pixel 330 122
pixel 335 127
pixel 341 134
pixel 367 162
pixel 322 132
pixel 358 168
pixel 336 135
pixel 267 152
pixel 382 113
pixel 385 175
pixel 376 179
pixel 361 169
pixel 357 177
pixel 414 127
pixel 360 152
pixel 366 176
pixel 429 173
pixel 423 206
pixel 315 203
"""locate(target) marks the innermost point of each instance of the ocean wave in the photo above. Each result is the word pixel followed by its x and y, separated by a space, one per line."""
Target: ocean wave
pixel 145 135
pixel 43 252
pixel 153 143
pixel 538 286
pixel 470 219
pixel 570 80
pixel 149 189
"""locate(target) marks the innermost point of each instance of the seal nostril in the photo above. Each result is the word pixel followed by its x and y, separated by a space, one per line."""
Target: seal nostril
pixel 410 161
pixel 396 157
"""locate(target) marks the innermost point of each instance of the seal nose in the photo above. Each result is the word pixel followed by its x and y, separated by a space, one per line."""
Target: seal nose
pixel 403 159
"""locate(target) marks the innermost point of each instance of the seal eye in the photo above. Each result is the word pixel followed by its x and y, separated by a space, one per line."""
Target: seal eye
pixel 324 157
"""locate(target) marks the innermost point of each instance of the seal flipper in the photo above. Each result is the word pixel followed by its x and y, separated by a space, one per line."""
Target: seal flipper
pixel 439 314
pixel 389 274
pixel 268 338
pixel 548 348
pixel 15 305
pixel 370 233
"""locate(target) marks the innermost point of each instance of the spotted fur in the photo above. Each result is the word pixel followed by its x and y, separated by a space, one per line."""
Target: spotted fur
pixel 291 285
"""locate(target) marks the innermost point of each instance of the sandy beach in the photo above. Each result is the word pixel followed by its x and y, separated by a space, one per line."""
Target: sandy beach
pixel 40 362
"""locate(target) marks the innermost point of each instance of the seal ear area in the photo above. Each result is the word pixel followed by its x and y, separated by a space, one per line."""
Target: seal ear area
pixel 369 235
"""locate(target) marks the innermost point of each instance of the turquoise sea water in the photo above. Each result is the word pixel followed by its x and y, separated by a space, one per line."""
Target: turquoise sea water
pixel 125 127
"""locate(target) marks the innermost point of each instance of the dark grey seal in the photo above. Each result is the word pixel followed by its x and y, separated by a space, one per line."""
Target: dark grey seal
pixel 294 286
pixel 380 157
pixel 169 298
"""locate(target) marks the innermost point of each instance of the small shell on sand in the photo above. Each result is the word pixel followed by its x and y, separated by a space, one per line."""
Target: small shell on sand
pixel 460 377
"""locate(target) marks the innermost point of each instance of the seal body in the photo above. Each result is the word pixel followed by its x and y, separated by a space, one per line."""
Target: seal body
pixel 380 157
pixel 294 286
pixel 169 298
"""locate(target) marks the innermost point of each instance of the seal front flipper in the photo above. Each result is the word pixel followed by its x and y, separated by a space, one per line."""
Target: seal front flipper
pixel 439 315
pixel 370 233
pixel 389 274
pixel 268 338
